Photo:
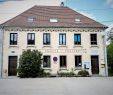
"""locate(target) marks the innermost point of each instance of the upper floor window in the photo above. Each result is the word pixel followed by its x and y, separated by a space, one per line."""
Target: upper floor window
pixel 13 38
pixel 62 39
pixel 78 61
pixel 93 38
pixel 31 39
pixel 46 38
pixel 46 61
pixel 77 39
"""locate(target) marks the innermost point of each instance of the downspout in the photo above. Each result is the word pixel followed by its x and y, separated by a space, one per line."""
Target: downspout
pixel 2 28
pixel 105 54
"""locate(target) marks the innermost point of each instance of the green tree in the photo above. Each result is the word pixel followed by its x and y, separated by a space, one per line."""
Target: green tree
pixel 110 57
pixel 30 64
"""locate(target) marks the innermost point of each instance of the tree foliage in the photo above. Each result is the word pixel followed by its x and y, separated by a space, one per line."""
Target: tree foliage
pixel 110 57
pixel 30 64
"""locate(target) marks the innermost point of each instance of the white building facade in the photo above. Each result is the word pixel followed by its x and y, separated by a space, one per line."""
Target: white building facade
pixel 64 48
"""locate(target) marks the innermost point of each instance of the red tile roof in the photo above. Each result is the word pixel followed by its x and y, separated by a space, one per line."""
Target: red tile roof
pixel 42 14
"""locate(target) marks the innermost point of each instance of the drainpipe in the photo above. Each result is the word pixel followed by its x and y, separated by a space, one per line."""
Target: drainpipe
pixel 105 53
pixel 2 40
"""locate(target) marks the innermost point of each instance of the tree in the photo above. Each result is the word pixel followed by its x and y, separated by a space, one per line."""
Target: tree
pixel 110 57
pixel 30 64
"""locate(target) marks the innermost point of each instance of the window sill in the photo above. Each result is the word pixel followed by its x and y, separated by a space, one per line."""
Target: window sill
pixel 47 68
pixel 63 68
pixel 31 46
pixel 44 46
pixel 78 68
pixel 62 46
pixel 94 46
pixel 13 46
pixel 77 46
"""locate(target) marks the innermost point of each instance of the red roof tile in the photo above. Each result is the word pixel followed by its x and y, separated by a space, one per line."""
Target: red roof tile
pixel 42 14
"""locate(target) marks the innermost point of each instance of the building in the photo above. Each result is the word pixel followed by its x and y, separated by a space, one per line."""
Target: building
pixel 68 40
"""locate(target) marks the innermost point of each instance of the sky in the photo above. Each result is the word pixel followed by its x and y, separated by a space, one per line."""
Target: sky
pixel 99 10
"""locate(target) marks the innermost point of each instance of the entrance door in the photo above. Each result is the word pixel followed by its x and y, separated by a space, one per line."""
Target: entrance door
pixel 12 66
pixel 95 64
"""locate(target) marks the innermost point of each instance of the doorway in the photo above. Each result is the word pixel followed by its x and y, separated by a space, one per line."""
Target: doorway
pixel 95 64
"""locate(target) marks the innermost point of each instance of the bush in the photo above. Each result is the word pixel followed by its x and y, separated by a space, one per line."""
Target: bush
pixel 30 64
pixel 83 73
pixel 110 71
pixel 66 74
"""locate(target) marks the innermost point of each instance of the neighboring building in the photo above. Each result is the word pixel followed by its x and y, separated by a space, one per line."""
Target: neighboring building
pixel 68 40
pixel 110 32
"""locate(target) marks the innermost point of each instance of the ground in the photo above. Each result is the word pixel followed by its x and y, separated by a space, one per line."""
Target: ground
pixel 57 86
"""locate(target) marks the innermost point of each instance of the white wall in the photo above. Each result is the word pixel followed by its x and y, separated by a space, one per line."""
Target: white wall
pixel 70 51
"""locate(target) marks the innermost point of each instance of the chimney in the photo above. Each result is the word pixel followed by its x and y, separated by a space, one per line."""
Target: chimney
pixel 62 4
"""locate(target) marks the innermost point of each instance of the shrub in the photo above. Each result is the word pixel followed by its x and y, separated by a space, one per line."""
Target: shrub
pixel 66 74
pixel 110 71
pixel 30 64
pixel 83 73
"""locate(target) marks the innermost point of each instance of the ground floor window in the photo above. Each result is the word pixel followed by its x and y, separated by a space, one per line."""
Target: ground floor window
pixel 78 61
pixel 63 62
pixel 46 61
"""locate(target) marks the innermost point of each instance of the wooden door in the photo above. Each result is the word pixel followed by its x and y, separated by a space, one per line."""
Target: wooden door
pixel 12 66
pixel 95 64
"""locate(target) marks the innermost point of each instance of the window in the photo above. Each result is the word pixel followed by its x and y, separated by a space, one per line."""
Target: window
pixel 30 19
pixel 31 39
pixel 62 39
pixel 93 38
pixel 46 61
pixel 53 20
pixel 13 38
pixel 77 39
pixel 46 38
pixel 77 21
pixel 78 61
pixel 63 62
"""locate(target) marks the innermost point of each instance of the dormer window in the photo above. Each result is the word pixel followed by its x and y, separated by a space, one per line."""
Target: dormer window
pixel 53 20
pixel 77 21
pixel 30 19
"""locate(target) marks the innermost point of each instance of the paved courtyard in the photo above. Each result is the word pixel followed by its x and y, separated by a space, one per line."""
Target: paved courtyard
pixel 57 86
